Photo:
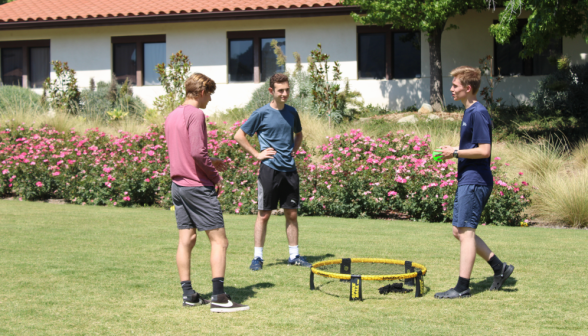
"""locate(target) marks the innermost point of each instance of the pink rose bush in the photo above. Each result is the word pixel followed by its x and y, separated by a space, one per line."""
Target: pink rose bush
pixel 353 175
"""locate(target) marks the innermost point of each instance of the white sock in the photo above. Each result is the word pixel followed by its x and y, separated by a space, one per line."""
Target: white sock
pixel 293 251
pixel 258 252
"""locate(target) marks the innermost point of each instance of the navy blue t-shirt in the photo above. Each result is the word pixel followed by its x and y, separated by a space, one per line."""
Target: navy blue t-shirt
pixel 275 129
pixel 476 128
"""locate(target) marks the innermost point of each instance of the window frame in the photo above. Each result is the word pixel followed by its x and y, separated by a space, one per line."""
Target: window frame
pixel 140 41
pixel 388 31
pixel 26 50
pixel 256 36
pixel 527 63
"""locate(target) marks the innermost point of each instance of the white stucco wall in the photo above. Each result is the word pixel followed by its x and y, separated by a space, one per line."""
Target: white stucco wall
pixel 88 50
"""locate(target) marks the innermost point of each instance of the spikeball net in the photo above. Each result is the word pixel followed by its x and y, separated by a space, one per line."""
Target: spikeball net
pixel 356 270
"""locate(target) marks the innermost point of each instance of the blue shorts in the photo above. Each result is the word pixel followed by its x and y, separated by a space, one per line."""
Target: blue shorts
pixel 469 203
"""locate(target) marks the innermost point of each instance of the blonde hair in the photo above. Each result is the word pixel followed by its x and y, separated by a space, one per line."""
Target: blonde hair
pixel 468 76
pixel 198 82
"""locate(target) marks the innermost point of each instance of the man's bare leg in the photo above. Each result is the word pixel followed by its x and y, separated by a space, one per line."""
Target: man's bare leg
pixel 183 256
pixel 263 217
pixel 218 251
pixel 292 226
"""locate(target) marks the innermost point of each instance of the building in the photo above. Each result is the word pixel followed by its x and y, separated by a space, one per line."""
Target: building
pixel 229 41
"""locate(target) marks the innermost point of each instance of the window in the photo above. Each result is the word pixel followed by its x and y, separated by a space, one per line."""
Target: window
pixel 383 53
pixel 251 56
pixel 25 63
pixel 509 63
pixel 135 58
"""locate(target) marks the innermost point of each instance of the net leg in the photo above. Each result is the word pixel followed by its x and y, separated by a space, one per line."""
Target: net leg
pixel 420 284
pixel 311 280
pixel 408 269
pixel 345 267
pixel 355 288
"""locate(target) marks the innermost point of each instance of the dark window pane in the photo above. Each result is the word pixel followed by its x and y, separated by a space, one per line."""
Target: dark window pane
pixel 407 55
pixel 12 66
pixel 240 60
pixel 508 62
pixel 154 54
pixel 125 62
pixel 372 56
pixel 40 66
pixel 541 64
pixel 269 58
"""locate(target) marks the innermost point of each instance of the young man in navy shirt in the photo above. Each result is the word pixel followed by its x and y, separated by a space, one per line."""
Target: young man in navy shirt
pixel 280 134
pixel 474 183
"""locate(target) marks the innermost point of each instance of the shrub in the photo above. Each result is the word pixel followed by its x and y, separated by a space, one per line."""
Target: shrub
pixel 173 79
pixel 63 91
pixel 357 176
pixel 563 94
pixel 18 99
pixel 96 104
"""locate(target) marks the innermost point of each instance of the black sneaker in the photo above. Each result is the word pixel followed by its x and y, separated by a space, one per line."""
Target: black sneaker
pixel 194 300
pixel 501 277
pixel 453 294
pixel 299 261
pixel 222 303
pixel 256 264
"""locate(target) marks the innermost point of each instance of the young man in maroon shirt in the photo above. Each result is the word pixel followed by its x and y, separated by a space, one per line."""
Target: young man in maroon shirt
pixel 195 188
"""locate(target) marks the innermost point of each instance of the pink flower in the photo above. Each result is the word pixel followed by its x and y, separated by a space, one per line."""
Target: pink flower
pixel 107 170
pixel 126 198
pixel 126 192
pixel 150 153
pixel 239 204
pixel 114 203
pixel 424 188
pixel 56 173
pixel 445 197
pixel 392 193
pixel 5 171
pixel 147 180
pixel 237 210
pixel 521 173
pixel 39 184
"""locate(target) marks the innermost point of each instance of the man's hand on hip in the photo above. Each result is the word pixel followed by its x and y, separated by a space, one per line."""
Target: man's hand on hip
pixel 267 153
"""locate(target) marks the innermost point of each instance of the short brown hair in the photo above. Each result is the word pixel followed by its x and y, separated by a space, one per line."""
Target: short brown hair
pixel 468 76
pixel 198 82
pixel 278 78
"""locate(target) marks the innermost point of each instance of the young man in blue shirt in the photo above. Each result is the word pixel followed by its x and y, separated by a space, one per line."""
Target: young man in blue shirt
pixel 280 134
pixel 474 185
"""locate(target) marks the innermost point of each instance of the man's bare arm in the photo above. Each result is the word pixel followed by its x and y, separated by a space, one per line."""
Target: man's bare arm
pixel 241 138
pixel 480 152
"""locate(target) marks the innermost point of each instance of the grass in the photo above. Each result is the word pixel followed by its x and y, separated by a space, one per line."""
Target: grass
pixel 74 270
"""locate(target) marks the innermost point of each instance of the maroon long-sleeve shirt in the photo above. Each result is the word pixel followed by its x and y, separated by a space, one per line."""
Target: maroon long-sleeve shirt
pixel 185 133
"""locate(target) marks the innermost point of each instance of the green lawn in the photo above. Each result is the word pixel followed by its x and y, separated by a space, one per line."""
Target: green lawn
pixel 68 269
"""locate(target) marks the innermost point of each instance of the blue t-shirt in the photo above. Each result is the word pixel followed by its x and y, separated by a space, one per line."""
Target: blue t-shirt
pixel 476 128
pixel 275 129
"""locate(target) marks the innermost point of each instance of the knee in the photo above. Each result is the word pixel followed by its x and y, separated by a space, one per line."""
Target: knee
pixel 456 233
pixel 264 215
pixel 188 242
pixel 222 243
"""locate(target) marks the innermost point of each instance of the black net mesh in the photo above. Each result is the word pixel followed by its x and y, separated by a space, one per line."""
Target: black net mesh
pixel 366 269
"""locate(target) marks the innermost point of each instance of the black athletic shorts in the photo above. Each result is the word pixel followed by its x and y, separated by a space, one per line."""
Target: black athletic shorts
pixel 274 186
pixel 197 208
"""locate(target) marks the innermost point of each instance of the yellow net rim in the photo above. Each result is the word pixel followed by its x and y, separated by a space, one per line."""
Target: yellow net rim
pixel 367 277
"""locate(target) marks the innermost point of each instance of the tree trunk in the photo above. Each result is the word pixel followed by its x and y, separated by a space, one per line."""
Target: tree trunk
pixel 436 99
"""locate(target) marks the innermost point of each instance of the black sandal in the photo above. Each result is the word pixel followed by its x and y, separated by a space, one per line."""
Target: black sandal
pixel 453 294
pixel 500 278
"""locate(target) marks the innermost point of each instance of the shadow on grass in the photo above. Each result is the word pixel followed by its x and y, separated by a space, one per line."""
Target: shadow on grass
pixel 310 259
pixel 244 293
pixel 484 285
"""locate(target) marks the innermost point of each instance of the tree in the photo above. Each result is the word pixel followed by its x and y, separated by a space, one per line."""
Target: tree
pixel 549 19
pixel 429 16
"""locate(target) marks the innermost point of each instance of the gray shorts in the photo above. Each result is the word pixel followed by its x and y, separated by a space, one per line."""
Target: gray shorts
pixel 197 208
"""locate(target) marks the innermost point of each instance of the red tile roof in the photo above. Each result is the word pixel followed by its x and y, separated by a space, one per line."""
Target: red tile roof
pixel 44 10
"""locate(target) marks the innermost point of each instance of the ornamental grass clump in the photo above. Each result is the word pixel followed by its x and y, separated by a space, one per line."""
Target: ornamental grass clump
pixel 563 198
